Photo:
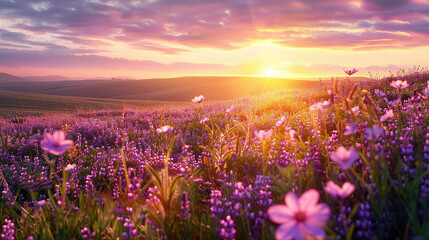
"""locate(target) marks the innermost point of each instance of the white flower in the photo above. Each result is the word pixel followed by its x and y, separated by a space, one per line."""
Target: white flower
pixel 198 99
pixel 70 167
pixel 205 120
pixel 164 130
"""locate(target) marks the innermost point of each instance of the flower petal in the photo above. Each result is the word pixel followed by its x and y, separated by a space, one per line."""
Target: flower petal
pixel 288 230
pixel 308 199
pixel 280 214
pixel 291 200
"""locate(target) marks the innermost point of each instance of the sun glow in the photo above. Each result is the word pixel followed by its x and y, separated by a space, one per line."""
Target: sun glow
pixel 270 72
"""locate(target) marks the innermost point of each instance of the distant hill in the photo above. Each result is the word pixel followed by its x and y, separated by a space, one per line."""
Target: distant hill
pixel 164 89
pixel 167 89
pixel 50 78
pixel 5 77
pixel 24 104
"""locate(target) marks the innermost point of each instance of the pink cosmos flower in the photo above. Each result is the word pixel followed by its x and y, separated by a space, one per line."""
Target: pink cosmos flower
pixel 339 192
pixel 345 158
pixel 164 130
pixel 386 116
pixel 352 128
pixel 263 135
pixel 320 105
pixel 300 218
pixel 398 84
pixel 198 99
pixel 350 71
pixel 281 121
pixel 55 143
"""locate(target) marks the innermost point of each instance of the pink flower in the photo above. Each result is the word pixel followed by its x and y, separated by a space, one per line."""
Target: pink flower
pixel 300 218
pixel 164 130
pixel 205 120
pixel 426 92
pixel 198 99
pixel 281 121
pixel 293 134
pixel 229 109
pixel 350 71
pixel 355 109
pixel 345 158
pixel 386 116
pixel 352 128
pixel 339 192
pixel 320 105
pixel 398 84
pixel 263 135
pixel 55 143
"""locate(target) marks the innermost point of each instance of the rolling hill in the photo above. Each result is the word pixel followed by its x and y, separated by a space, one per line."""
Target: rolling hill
pixel 22 104
pixel 168 89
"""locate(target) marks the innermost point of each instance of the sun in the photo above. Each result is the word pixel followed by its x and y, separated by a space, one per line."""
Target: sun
pixel 269 72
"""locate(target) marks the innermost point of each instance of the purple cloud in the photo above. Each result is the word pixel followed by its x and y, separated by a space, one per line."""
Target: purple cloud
pixel 224 24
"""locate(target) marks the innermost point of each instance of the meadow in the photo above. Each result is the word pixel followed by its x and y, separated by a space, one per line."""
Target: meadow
pixel 343 160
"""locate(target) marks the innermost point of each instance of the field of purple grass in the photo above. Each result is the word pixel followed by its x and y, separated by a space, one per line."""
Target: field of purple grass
pixel 347 161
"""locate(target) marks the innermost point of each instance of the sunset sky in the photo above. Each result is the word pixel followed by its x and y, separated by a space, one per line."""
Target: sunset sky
pixel 169 38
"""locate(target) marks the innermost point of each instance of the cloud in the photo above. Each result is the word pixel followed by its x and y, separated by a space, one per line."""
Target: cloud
pixel 214 24
pixel 47 59
pixel 385 4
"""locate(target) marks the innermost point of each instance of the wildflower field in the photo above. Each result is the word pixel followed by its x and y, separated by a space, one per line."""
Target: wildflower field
pixel 346 160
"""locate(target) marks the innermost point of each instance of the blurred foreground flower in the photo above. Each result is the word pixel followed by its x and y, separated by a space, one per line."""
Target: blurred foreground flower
pixel 339 192
pixel 386 116
pixel 55 143
pixel 229 109
pixel 293 134
pixel 374 132
pixel 263 135
pixel 345 158
pixel 198 99
pixel 301 218
pixel 164 130
pixel 352 128
pixel 205 120
pixel 320 105
pixel 281 121
pixel 379 93
pixel 399 84
pixel 350 71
